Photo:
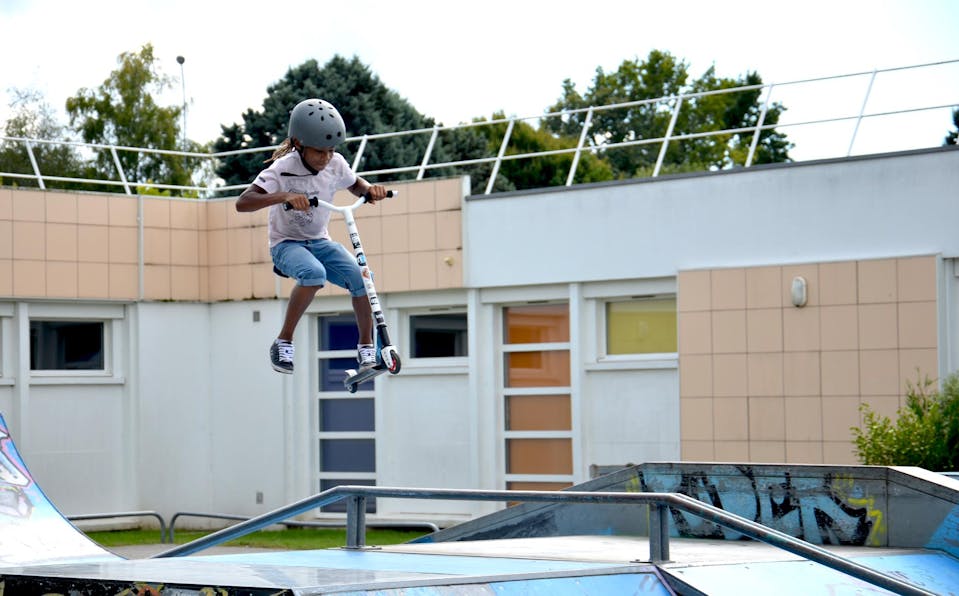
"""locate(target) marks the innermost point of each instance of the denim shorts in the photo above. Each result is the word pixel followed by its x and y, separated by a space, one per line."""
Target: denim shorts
pixel 314 262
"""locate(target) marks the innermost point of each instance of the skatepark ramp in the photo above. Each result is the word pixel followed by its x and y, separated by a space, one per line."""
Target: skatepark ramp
pixel 613 535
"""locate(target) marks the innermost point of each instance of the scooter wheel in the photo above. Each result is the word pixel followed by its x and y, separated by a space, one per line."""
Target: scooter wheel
pixel 351 387
pixel 395 367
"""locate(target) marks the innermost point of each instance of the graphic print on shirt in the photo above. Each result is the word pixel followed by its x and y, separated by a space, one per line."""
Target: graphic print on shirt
pixel 300 219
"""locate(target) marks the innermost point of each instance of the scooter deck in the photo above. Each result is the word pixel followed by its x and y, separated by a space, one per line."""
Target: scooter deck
pixel 354 378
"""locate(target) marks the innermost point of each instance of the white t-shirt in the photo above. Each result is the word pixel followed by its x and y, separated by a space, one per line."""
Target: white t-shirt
pixel 288 174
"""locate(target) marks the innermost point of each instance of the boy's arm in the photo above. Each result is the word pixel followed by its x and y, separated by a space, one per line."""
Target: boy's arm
pixel 255 198
pixel 373 192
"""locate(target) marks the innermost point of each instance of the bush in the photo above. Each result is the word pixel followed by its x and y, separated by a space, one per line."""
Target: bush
pixel 925 433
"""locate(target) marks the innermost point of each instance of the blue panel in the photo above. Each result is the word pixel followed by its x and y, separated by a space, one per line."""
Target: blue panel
pixel 333 371
pixel 345 415
pixel 338 333
pixel 935 572
pixel 946 537
pixel 348 455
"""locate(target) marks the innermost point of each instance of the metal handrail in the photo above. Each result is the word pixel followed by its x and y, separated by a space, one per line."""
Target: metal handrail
pixel 659 505
pixel 585 142
pixel 164 532
pixel 301 524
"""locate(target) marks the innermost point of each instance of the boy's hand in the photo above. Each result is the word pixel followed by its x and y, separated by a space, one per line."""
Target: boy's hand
pixel 376 192
pixel 298 202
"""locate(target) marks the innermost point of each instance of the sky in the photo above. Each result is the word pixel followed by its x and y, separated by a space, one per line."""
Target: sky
pixel 454 61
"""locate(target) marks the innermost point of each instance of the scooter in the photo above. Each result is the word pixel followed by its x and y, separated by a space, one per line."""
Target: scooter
pixel 387 356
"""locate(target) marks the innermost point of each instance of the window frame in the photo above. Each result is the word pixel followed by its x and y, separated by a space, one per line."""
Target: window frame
pixel 320 476
pixel 504 349
pixel 434 365
pixel 408 325
pixel 650 360
pixel 111 316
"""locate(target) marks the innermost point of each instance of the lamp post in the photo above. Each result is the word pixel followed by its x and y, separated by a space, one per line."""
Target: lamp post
pixel 180 60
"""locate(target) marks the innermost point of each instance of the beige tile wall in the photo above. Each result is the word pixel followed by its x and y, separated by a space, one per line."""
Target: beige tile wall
pixel 56 244
pixel 764 381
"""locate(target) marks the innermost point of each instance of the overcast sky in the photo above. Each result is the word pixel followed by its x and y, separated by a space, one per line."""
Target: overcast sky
pixel 453 60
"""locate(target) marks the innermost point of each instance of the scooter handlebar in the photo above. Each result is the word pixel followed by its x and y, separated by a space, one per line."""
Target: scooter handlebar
pixel 315 201
pixel 389 195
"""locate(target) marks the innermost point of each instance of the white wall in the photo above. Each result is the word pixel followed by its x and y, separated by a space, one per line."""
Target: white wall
pixel 897 204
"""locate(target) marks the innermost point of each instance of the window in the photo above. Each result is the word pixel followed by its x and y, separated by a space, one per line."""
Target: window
pixel 537 410
pixel 438 335
pixel 346 424
pixel 67 345
pixel 641 326
pixel 338 333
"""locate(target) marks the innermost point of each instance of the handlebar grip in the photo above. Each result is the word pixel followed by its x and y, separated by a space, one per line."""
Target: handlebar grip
pixel 389 195
pixel 313 203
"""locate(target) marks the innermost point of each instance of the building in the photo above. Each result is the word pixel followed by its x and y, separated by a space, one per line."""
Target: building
pixel 741 315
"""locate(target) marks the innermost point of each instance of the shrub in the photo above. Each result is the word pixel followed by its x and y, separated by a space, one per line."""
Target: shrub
pixel 925 432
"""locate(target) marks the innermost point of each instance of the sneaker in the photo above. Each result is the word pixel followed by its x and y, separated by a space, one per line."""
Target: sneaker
pixel 366 355
pixel 281 356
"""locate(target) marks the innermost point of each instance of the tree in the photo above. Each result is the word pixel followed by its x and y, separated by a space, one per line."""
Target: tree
pixel 951 138
pixel 123 111
pixel 367 107
pixel 925 432
pixel 661 75
pixel 33 118
pixel 540 171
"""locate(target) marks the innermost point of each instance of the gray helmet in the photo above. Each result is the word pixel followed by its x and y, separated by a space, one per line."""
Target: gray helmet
pixel 316 123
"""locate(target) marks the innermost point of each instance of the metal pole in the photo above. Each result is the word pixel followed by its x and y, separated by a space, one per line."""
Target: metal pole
pixel 759 127
pixel 862 110
pixel 123 176
pixel 355 521
pixel 36 168
pixel 428 153
pixel 499 157
pixel 359 153
pixel 669 132
pixel 181 60
pixel 658 533
pixel 579 146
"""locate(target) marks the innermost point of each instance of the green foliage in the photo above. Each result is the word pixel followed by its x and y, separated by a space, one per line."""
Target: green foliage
pixel 33 118
pixel 122 111
pixel 367 107
pixel 541 171
pixel 925 432
pixel 953 137
pixel 291 539
pixel 661 75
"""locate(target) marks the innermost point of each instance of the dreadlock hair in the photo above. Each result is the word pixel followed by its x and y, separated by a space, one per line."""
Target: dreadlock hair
pixel 285 147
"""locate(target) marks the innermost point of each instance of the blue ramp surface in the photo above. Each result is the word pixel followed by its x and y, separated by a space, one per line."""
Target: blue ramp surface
pixel 32 531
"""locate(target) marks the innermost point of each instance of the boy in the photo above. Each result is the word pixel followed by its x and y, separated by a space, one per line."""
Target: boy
pixel 305 166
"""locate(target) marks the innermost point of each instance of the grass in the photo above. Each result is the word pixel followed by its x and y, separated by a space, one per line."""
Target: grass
pixel 291 539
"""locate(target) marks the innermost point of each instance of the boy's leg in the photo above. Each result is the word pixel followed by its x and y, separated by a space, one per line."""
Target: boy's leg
pixel 300 299
pixel 365 349
pixel 343 270
pixel 364 318
pixel 294 259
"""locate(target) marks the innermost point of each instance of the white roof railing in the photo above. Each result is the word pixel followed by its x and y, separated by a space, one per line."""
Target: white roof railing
pixel 877 111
